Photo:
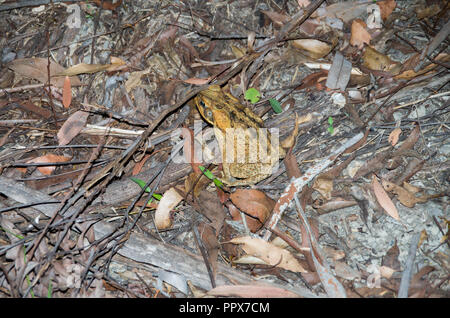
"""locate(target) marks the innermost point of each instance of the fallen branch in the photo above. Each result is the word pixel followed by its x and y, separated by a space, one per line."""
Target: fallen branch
pixel 296 185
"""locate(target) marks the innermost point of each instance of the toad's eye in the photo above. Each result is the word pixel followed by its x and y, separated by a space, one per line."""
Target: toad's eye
pixel 208 114
pixel 202 104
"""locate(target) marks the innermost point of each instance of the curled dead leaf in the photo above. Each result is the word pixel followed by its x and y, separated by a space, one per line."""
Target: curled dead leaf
pixel 36 68
pixel 386 8
pixel 405 197
pixel 169 200
pixel 359 36
pixel 394 135
pixel 72 127
pixel 324 185
pixel 313 48
pixel 254 203
pixel 290 140
pixel 271 254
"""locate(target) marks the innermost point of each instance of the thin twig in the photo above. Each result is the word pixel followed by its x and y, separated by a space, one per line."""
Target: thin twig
pixel 407 273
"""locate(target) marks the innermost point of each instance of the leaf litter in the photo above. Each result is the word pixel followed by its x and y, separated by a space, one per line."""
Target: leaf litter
pixel 344 69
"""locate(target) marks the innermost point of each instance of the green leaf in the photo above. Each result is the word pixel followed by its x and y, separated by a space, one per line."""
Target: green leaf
pixel 142 184
pixel 50 290
pixel 276 106
pixel 210 176
pixel 330 125
pixel 253 95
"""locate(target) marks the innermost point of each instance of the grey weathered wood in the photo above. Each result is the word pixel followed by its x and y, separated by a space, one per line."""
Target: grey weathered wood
pixel 148 250
pixel 176 259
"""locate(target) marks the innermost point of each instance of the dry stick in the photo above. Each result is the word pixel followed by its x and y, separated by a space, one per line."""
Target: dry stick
pixel 29 3
pixel 69 224
pixel 10 282
pixel 114 248
pixel 204 253
pixel 407 273
pixel 49 92
pixel 4 91
pixel 441 36
pixel 66 199
pixel 297 184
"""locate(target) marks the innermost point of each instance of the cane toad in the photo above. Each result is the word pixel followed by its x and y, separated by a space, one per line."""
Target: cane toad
pixel 248 151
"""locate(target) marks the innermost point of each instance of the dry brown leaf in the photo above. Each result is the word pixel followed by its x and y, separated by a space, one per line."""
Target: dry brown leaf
pixel 269 253
pixel 324 185
pixel 197 81
pixel 408 66
pixel 72 127
pixel 169 200
pixel 84 68
pixel 406 197
pixel 209 239
pixel 36 68
pixel 390 260
pixel 47 170
pixel 409 187
pixel 289 141
pixel 116 64
pixel 374 60
pixel 67 92
pixel 313 48
pixel 386 8
pixel 384 200
pixel 251 291
pixel 138 166
pixel 345 271
pixel 253 224
pixel 254 203
pixel 291 164
pixel 394 135
pixel 359 34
